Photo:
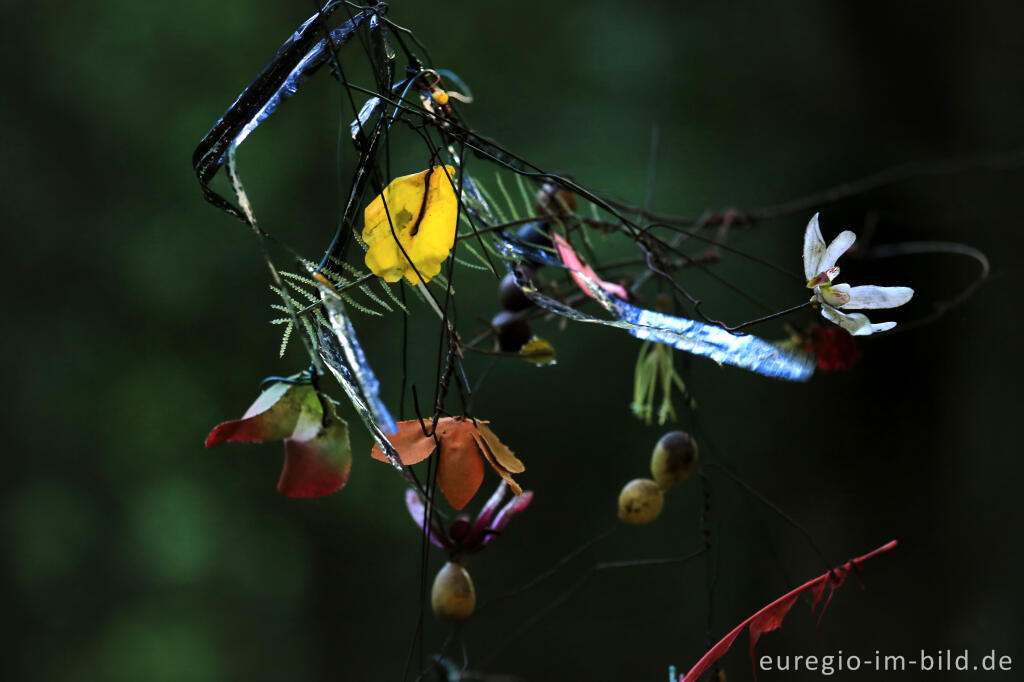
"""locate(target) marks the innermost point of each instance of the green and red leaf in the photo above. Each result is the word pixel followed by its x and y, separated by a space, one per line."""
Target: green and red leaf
pixel 318 456
pixel 272 417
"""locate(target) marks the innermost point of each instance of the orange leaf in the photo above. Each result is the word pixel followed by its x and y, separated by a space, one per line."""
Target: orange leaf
pixel 502 454
pixel 489 456
pixel 409 441
pixel 461 471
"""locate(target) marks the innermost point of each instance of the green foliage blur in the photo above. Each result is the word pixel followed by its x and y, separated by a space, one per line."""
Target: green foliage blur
pixel 137 319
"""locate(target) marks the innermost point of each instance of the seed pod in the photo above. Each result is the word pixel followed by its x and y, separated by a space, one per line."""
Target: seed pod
pixel 555 200
pixel 640 501
pixel 512 333
pixel 673 458
pixel 510 296
pixel 452 597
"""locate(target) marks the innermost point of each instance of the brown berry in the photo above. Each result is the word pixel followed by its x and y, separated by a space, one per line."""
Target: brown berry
pixel 452 597
pixel 640 501
pixel 510 296
pixel 513 333
pixel 673 459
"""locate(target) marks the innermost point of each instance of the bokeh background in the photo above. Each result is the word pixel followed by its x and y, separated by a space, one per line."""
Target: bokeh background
pixel 137 320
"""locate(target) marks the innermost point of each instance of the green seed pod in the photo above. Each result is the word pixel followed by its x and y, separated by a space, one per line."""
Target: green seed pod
pixel 452 597
pixel 640 501
pixel 673 459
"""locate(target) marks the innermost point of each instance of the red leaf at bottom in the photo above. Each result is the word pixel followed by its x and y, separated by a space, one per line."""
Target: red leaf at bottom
pixel 770 617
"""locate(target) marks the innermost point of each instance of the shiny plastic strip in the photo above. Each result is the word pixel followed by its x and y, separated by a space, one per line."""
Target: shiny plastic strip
pixel 355 359
pixel 747 352
pixel 299 57
pixel 333 356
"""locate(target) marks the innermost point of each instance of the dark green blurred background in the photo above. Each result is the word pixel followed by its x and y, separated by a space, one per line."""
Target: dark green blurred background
pixel 137 320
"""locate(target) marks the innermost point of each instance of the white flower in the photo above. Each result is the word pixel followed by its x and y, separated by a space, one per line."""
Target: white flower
pixel 820 269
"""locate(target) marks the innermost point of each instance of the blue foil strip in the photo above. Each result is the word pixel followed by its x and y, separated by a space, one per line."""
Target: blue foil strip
pixel 513 249
pixel 697 338
pixel 748 352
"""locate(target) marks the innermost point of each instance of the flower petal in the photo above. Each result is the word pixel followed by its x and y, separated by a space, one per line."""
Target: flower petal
pixel 814 248
pixel 317 458
pixel 416 510
pixel 857 324
pixel 461 470
pixel 823 278
pixel 840 245
pixel 515 505
pixel 835 295
pixel 409 441
pixel 871 297
pixel 487 512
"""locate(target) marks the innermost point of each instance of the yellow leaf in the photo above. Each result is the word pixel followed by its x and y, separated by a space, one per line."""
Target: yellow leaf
pixel 415 214
pixel 538 351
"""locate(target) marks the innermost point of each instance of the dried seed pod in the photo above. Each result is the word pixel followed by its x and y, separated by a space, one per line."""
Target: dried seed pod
pixel 452 597
pixel 555 200
pixel 640 501
pixel 513 333
pixel 673 458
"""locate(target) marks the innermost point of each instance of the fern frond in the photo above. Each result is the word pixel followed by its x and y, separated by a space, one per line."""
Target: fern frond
pixel 284 338
pixel 296 277
pixel 375 298
pixel 361 308
pixel 476 254
pixel 526 195
pixel 387 289
pixel 471 266
pixel 310 333
pixel 353 270
pixel 359 240
pixel 508 199
pixel 306 294
pixel 498 213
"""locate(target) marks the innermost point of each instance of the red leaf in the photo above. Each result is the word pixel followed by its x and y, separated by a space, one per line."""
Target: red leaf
pixel 835 348
pixel 770 617
pixel 272 417
pixel 317 458
pixel 578 267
